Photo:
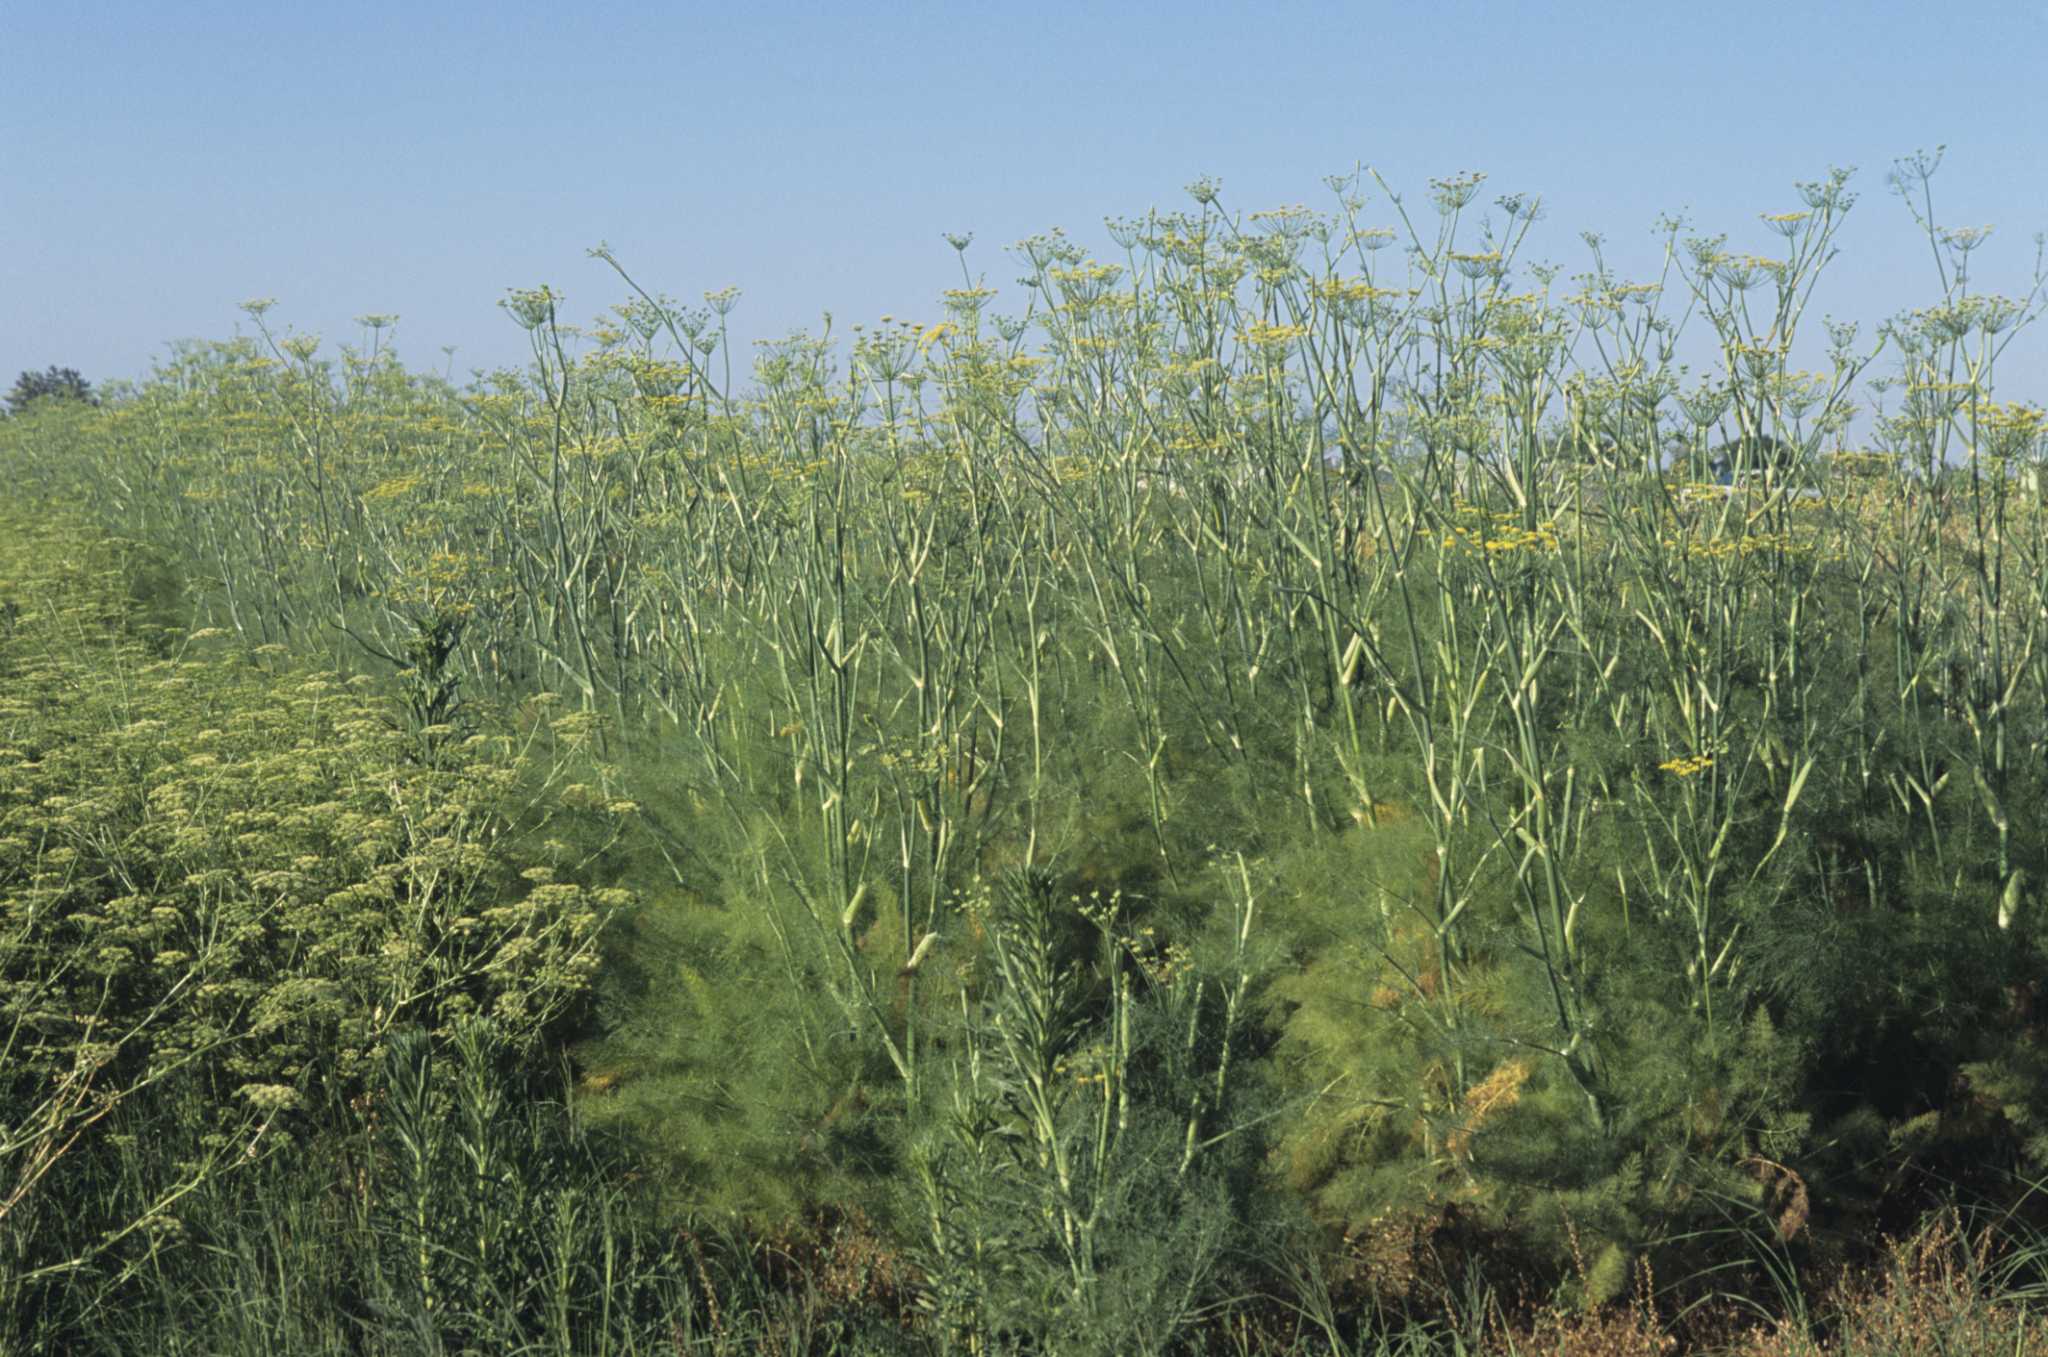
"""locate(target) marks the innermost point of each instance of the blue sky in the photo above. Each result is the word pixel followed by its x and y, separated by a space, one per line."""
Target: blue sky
pixel 163 162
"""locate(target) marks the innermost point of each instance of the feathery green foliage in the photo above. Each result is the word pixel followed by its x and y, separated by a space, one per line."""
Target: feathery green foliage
pixel 1298 750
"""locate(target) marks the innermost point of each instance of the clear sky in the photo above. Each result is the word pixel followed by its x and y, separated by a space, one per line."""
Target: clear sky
pixel 163 161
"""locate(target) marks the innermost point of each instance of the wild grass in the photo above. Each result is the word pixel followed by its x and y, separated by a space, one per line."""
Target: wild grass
pixel 1221 812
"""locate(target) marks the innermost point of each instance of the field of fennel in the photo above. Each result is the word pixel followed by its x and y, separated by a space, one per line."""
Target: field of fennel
pixel 1301 757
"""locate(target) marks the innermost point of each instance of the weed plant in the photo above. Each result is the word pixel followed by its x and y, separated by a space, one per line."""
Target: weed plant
pixel 1280 751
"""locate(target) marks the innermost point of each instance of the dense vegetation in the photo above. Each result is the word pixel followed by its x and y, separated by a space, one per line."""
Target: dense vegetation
pixel 1267 797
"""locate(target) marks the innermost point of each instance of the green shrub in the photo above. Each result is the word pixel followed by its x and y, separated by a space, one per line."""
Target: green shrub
pixel 225 881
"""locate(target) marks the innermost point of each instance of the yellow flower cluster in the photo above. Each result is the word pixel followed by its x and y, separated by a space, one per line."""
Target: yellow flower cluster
pixel 1258 332
pixel 1687 765
pixel 914 761
pixel 2015 417
pixel 396 488
pixel 1543 538
pixel 1090 272
pixel 1474 263
pixel 1074 469
pixel 794 471
pixel 1341 289
pixel 1742 547
pixel 1089 1066
pixel 1498 532
pixel 1199 443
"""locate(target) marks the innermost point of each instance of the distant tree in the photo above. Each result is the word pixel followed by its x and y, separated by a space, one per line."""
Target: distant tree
pixel 1763 452
pixel 63 383
pixel 1604 449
